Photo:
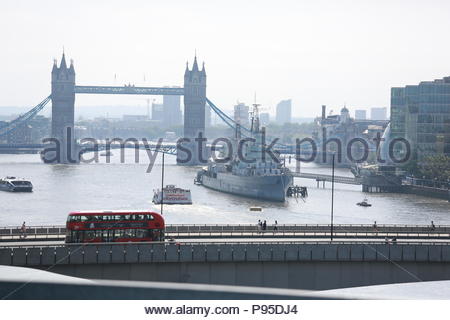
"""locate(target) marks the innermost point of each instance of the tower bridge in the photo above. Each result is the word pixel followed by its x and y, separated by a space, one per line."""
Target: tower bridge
pixel 62 97
pixel 64 89
pixel 63 104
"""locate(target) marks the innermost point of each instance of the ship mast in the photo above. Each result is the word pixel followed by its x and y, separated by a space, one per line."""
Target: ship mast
pixel 255 118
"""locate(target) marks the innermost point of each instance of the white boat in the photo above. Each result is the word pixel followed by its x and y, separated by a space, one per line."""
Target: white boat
pixel 14 184
pixel 172 195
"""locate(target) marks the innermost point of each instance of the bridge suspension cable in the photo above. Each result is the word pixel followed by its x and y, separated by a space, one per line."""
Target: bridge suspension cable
pixel 227 119
pixel 24 118
pixel 232 123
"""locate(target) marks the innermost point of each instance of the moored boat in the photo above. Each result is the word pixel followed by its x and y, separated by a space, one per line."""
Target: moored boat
pixel 250 171
pixel 172 195
pixel 14 184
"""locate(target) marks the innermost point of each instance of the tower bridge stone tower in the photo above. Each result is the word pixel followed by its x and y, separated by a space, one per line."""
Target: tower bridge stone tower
pixel 194 117
pixel 63 103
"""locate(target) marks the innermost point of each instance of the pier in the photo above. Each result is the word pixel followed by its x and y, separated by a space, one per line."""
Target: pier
pixel 327 178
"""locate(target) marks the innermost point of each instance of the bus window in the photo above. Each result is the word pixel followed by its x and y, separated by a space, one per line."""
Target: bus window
pixel 74 236
pixel 141 233
pixel 77 236
pixel 156 235
pixel 89 235
pixel 127 233
pixel 118 234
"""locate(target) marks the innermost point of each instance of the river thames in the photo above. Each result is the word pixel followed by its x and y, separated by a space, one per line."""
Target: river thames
pixel 60 189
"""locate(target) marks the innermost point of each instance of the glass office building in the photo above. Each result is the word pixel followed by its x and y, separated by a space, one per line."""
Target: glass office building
pixel 421 114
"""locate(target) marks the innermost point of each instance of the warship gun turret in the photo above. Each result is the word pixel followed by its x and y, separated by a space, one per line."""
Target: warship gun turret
pixel 249 170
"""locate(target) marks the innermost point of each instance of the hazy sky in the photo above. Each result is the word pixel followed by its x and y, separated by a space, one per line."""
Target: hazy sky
pixel 315 52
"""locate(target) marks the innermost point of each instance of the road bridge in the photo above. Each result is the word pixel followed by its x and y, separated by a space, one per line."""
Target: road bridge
pixel 280 264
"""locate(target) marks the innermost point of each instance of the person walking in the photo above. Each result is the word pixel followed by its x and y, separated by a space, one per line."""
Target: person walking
pixel 23 230
pixel 275 227
pixel 264 226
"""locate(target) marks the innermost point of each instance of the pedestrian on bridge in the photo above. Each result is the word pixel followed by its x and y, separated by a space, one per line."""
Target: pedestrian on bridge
pixel 264 225
pixel 275 226
pixel 23 230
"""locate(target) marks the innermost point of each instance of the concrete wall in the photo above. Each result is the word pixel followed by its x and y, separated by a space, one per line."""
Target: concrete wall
pixel 284 265
pixel 293 275
pixel 427 192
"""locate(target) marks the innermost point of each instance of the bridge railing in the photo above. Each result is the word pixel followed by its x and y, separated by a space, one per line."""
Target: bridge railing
pixel 180 228
pixel 312 227
pixel 32 230
pixel 259 235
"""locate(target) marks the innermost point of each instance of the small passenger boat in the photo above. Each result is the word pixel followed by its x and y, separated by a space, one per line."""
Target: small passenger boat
pixel 364 203
pixel 14 184
pixel 172 195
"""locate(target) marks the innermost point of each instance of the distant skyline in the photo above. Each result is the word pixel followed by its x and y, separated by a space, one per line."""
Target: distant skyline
pixel 313 52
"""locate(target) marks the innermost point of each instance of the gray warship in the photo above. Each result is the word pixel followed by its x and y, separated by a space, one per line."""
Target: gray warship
pixel 259 176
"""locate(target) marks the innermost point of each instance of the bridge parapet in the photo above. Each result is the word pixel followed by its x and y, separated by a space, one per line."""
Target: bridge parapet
pixel 124 253
pixel 180 229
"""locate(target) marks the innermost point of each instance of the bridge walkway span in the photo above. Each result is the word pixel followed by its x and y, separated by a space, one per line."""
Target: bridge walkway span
pixel 300 265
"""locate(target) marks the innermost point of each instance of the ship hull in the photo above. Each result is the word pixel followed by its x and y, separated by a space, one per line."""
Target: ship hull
pixel 17 188
pixel 272 188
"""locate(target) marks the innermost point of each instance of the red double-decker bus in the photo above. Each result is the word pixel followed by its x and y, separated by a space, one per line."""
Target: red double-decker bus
pixel 114 226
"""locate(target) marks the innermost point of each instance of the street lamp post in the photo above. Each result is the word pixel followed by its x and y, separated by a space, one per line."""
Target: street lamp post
pixel 332 196
pixel 162 184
